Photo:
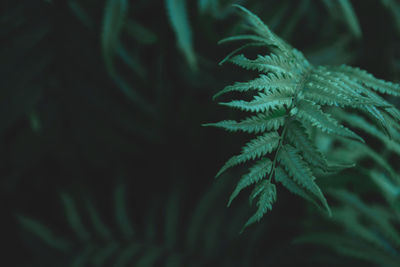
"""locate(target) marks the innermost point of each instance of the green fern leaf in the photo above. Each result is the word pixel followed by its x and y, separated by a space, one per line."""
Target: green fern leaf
pixel 247 37
pixel 388 108
pixel 257 172
pixel 313 114
pixel 326 88
pixel 297 134
pixel 298 169
pixel 378 116
pixel 362 97
pixel 354 88
pixel 369 80
pixel 266 192
pixel 325 96
pixel 262 30
pixel 263 102
pixel 266 64
pixel 254 149
pixel 256 124
pixel 266 83
pixel 321 77
pixel 292 94
pixel 361 123
pixel 282 177
pixel 234 52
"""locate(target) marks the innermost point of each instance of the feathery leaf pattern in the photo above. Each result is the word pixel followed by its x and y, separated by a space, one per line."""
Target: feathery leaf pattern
pixel 291 98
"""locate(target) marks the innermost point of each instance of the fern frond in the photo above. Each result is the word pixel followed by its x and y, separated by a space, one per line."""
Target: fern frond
pixel 266 83
pixel 357 151
pixel 325 96
pixel 298 169
pixel 266 64
pixel 266 193
pixel 297 134
pixel 282 177
pixel 375 215
pixel 257 172
pixel 168 242
pixel 262 30
pixel 327 89
pixel 262 102
pixel 359 122
pixel 323 78
pixel 312 113
pixel 254 149
pixel 377 116
pixel 367 79
pixel 387 107
pixel 291 94
pixel 394 129
pixel 262 122
pixel 247 37
pixel 234 52
pixel 369 102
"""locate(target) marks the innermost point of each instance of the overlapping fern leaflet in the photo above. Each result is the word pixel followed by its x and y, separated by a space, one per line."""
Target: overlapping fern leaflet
pixel 290 98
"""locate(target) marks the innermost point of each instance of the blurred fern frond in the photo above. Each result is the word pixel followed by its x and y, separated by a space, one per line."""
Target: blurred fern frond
pixel 166 236
pixel 178 17
pixel 394 8
pixel 364 225
pixel 367 232
pixel 343 11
